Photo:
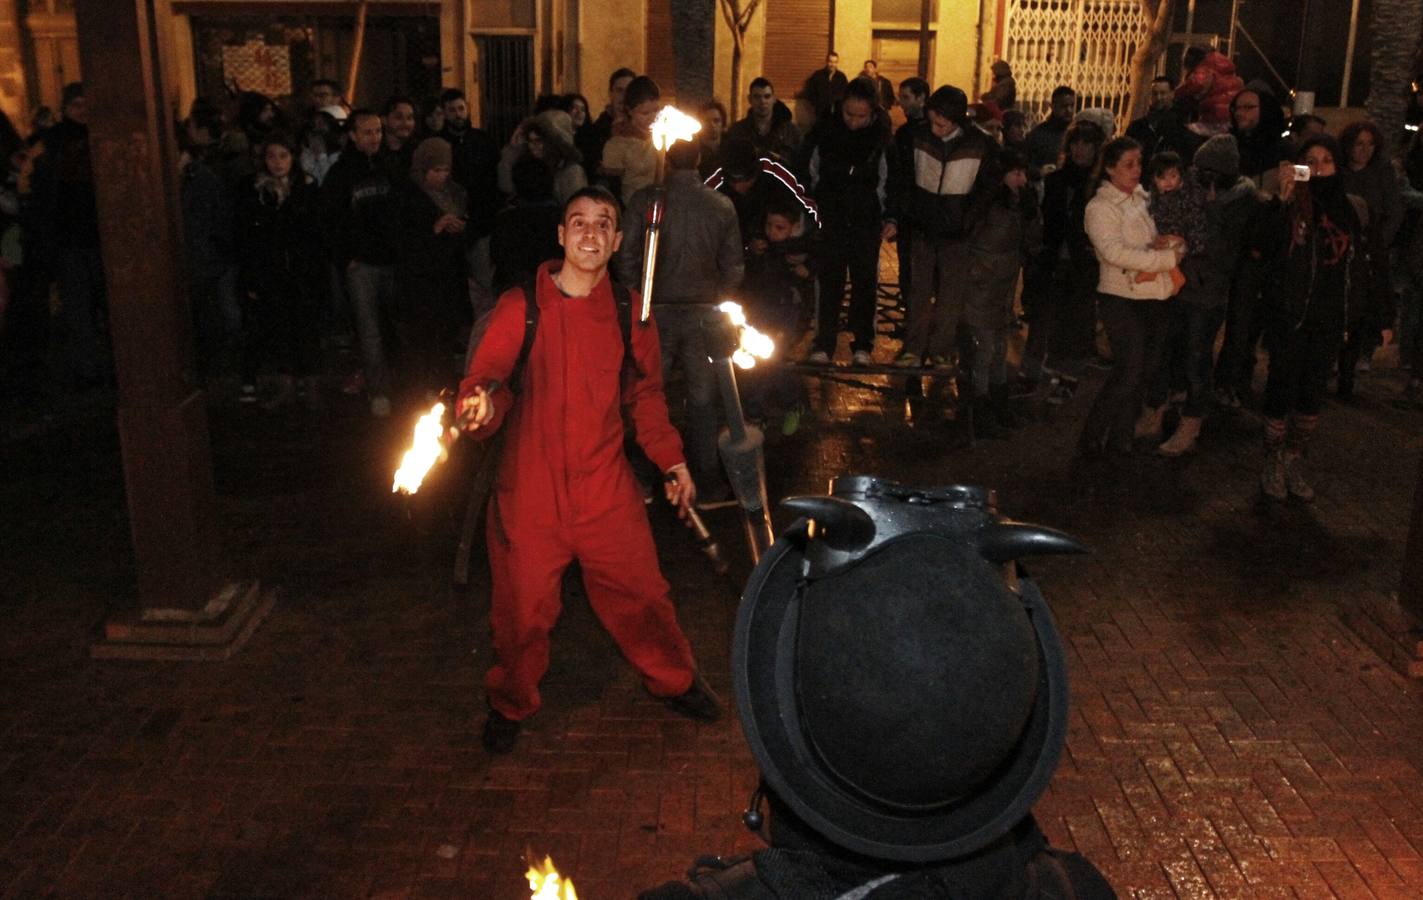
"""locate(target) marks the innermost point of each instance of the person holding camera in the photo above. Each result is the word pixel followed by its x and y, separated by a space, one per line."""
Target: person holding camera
pixel 1315 239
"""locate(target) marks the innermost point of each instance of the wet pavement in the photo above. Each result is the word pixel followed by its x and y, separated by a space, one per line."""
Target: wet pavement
pixel 1230 736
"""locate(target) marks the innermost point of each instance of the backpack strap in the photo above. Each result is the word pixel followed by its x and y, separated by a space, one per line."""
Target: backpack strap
pixel 531 327
pixel 623 298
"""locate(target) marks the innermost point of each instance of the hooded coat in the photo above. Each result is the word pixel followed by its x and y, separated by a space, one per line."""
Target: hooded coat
pixel 780 143
pixel 848 171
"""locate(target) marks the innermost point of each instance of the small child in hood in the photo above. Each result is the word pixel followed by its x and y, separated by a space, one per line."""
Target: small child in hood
pixel 1178 206
pixel 779 271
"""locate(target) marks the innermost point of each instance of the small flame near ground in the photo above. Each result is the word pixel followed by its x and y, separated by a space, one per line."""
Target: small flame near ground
pixel 426 449
pixel 545 883
pixel 752 344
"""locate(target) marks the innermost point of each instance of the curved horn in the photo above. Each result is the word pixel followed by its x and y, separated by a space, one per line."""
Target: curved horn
pixel 839 523
pixel 1005 541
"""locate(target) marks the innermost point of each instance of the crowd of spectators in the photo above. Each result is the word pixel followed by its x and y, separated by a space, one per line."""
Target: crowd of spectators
pixel 311 225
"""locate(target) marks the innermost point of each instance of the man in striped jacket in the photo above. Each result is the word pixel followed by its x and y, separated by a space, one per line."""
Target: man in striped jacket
pixel 944 182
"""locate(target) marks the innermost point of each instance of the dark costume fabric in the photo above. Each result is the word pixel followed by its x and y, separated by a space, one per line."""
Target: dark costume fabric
pixel 565 490
pixel 278 242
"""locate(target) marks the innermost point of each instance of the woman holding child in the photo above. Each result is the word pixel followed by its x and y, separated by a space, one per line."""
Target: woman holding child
pixel 1120 227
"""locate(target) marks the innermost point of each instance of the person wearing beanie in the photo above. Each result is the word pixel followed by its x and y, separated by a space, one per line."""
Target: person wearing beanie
pixel 432 215
pixel 1315 239
pixel 943 188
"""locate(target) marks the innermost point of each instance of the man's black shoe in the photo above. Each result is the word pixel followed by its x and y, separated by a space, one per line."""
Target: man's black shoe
pixel 697 703
pixel 500 733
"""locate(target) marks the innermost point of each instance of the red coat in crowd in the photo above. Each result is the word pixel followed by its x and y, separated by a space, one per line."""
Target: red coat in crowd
pixel 1212 84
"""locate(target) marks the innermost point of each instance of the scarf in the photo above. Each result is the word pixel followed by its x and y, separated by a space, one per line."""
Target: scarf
pixel 271 186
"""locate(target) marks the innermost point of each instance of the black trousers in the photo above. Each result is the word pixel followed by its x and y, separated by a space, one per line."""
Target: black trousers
pixel 1137 331
pixel 853 252
pixel 1299 370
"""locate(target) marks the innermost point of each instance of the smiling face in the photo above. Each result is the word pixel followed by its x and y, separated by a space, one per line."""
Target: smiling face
pixel 578 112
pixel 400 122
pixel 589 235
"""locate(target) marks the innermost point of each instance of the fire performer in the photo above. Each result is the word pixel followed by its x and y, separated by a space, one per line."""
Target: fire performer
pixel 564 488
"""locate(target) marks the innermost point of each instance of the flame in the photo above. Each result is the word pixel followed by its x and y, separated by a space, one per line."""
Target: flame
pixel 426 449
pixel 546 884
pixel 751 344
pixel 673 125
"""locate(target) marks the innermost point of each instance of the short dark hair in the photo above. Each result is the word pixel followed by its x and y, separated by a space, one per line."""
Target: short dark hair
pixel 546 102
pixel 715 104
pixel 760 81
pixel 640 90
pixel 1166 79
pixel 1062 90
pixel 360 113
pixel 72 91
pixel 684 155
pixel 863 89
pixel 1011 158
pixel 624 72
pixel 1304 120
pixel 1164 162
pixel 395 100
pixel 451 94
pixel 915 85
pixel 599 194
pixel 324 82
pixel 782 203
pixel 870 62
pixel 280 138
pixel 832 53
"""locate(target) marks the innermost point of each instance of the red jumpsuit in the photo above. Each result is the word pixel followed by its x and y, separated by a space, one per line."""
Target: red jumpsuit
pixel 565 491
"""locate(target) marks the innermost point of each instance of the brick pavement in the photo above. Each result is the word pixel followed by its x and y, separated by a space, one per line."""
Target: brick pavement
pixel 1230 737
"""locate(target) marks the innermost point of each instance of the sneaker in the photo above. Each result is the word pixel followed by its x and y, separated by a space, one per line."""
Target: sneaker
pixel 500 733
pixel 1272 478
pixel 380 406
pixel 818 358
pixel 791 423
pixel 862 358
pixel 908 361
pixel 697 703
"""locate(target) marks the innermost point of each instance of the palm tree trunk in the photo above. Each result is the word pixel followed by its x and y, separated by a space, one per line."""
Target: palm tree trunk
pixel 1397 26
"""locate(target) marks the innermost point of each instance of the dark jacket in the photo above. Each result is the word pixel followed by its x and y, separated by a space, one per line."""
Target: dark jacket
pixel 774 183
pixel 1162 129
pixel 207 221
pixel 1045 142
pixel 476 168
pixel 1378 185
pixel 1066 255
pixel 279 243
pixel 699 258
pixel 848 172
pixel 943 187
pixel 782 140
pixel 356 206
pixel 1317 270
pixel 1210 270
pixel 525 235
pixel 1007 232
pixel 430 273
pixel 771 280
pixel 1263 147
pixel 66 213
pixel 824 90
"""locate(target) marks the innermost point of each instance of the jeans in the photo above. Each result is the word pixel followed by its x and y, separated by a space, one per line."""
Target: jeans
pixel 1063 316
pixel 990 359
pixel 1137 331
pixel 1299 370
pixel 372 293
pixel 933 324
pixel 684 344
pixel 1192 331
pixel 854 251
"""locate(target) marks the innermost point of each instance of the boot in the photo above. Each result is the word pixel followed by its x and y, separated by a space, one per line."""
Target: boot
pixel 1183 439
pixel 1272 479
pixel 1294 477
pixel 1148 424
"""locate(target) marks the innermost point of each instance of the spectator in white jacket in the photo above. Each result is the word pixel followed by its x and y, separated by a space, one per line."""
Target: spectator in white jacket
pixel 1119 225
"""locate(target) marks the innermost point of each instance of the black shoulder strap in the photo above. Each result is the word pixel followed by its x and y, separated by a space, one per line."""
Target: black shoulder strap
pixel 623 297
pixel 531 327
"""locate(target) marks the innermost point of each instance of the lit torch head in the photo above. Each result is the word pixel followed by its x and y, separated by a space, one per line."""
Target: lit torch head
pixel 546 884
pixel 426 448
pixel 751 344
pixel 673 125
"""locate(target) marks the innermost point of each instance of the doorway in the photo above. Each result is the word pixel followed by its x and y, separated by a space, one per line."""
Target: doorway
pixel 897 53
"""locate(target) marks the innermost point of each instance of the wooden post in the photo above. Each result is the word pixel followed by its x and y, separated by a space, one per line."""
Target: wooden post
pixel 1411 593
pixel 185 608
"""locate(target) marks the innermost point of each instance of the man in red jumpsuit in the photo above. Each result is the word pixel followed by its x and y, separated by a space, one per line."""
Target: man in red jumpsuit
pixel 564 489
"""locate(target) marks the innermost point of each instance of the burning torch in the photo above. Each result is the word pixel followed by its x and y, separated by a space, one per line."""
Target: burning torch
pixel 741 445
pixel 670 126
